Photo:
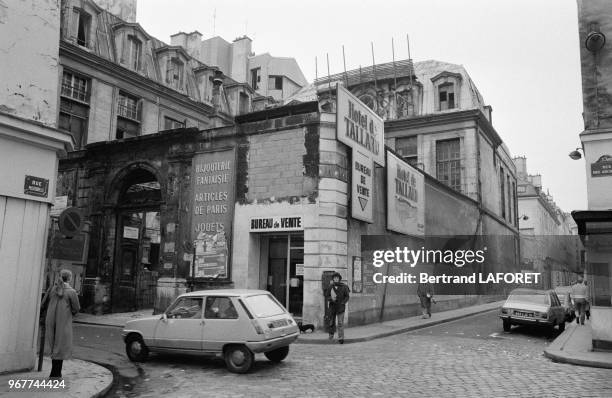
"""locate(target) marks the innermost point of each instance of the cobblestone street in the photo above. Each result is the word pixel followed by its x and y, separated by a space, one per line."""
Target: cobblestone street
pixel 431 362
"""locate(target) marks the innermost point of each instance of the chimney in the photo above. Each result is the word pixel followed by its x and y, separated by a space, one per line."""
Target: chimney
pixel 191 42
pixel 217 80
pixel 521 166
pixel 241 50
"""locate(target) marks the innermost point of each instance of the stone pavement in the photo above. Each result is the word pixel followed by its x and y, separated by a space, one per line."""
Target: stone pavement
pixel 574 346
pixel 81 378
pixel 383 329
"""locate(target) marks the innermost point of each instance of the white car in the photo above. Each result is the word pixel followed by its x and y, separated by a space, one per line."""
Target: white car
pixel 533 307
pixel 231 322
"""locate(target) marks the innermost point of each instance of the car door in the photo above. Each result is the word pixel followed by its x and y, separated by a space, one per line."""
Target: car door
pixel 220 323
pixel 182 327
pixel 557 308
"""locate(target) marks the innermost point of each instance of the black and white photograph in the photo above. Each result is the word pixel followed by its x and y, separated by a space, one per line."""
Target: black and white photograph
pixel 267 198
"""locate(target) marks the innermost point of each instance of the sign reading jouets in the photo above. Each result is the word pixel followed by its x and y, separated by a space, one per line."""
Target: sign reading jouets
pixel 359 127
pixel 213 179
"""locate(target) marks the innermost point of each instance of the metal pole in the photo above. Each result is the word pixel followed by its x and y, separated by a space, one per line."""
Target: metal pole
pixel 328 78
pixel 43 314
pixel 394 76
pixel 344 62
pixel 374 68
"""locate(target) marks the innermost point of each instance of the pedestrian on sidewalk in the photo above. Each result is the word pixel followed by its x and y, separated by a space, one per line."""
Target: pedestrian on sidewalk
pixel 336 296
pixel 425 292
pixel 63 305
pixel 578 295
pixel 587 306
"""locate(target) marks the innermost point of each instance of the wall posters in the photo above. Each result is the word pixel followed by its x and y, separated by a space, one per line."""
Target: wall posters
pixel 361 198
pixel 405 197
pixel 359 127
pixel 213 206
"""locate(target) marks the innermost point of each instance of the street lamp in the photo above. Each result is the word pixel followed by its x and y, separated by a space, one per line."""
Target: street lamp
pixel 575 155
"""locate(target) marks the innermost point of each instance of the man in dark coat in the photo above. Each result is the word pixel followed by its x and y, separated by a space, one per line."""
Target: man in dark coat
pixel 337 295
pixel 425 293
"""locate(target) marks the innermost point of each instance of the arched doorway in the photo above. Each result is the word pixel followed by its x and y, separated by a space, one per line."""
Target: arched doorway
pixel 137 247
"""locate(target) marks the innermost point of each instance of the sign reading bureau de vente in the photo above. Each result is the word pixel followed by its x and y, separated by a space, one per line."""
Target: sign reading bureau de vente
pixel 361 199
pixel 213 185
pixel 276 224
pixel 359 127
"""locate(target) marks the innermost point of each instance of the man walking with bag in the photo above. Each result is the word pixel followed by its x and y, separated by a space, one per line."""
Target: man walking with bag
pixel 337 295
pixel 425 293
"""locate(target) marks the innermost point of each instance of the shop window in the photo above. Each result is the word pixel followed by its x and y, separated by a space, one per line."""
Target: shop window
pixel 135 52
pixel 129 110
pixel 171 124
pixel 448 163
pixel 255 78
pixel 446 96
pixel 220 308
pixel 174 73
pixel 81 26
pixel 407 148
pixel 275 83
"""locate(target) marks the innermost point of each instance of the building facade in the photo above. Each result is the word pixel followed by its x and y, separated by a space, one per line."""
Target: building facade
pixel 595 25
pixel 549 236
pixel 30 145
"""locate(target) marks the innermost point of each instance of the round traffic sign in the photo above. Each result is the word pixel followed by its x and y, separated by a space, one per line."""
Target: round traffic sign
pixel 70 221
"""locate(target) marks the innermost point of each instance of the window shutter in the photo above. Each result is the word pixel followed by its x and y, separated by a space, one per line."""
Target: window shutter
pixel 74 24
pixel 139 110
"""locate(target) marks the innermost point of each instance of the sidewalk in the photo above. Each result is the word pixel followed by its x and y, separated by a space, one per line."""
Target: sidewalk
pixel 383 329
pixel 117 319
pixel 81 378
pixel 574 346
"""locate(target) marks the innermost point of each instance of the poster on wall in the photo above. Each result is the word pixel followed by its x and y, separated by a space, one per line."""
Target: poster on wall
pixel 405 197
pixel 212 212
pixel 359 127
pixel 361 187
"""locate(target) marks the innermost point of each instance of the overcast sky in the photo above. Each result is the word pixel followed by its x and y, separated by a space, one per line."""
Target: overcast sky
pixel 522 55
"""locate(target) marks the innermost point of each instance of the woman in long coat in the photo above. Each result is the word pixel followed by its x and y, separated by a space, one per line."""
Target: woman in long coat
pixel 63 304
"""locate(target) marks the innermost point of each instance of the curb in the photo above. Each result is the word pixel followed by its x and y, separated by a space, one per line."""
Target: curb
pixel 106 389
pixel 392 332
pixel 575 361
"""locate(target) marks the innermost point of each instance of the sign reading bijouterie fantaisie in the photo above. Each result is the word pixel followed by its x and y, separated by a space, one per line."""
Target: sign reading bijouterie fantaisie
pixel 602 167
pixel 405 197
pixel 359 127
pixel 212 212
pixel 276 224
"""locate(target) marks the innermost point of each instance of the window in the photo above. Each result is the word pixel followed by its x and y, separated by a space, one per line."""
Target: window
pixel 448 163
pixel 275 83
pixel 129 116
pixel 174 73
pixel 263 306
pixel 74 107
pixel 255 78
pixel 515 219
pixel 446 94
pixel 407 148
pixel 75 87
pixel 135 52
pixel 509 193
pixel 171 124
pixel 243 104
pixel 81 25
pixel 186 308
pixel 73 119
pixel 220 308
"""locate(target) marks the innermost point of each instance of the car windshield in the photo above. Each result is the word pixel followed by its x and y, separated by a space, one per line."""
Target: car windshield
pixel 531 298
pixel 263 306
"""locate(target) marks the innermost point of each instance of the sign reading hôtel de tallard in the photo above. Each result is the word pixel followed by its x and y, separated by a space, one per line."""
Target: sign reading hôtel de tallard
pixel 359 127
pixel 212 212
pixel 602 167
pixel 405 197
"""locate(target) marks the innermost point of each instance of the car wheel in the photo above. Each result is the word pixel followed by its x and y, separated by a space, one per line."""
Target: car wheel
pixel 136 349
pixel 238 359
pixel 562 326
pixel 507 325
pixel 277 355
